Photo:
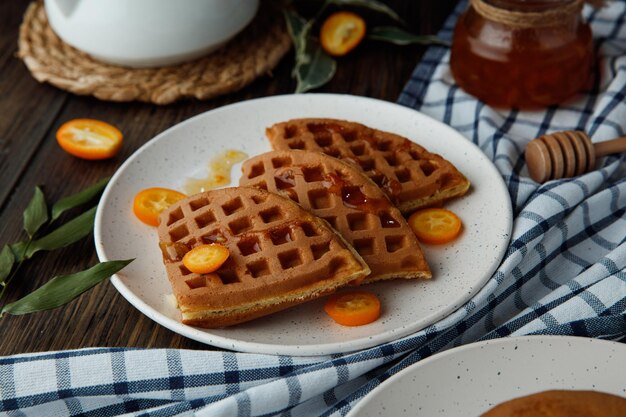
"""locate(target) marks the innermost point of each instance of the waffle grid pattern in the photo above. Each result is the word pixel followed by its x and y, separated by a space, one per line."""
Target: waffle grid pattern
pixel 380 236
pixel 264 238
pixel 405 171
pixel 575 227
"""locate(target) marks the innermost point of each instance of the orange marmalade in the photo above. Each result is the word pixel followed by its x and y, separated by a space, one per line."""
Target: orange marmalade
pixel 219 172
pixel 522 53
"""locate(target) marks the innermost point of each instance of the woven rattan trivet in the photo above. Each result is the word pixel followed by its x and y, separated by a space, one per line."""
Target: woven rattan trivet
pixel 252 53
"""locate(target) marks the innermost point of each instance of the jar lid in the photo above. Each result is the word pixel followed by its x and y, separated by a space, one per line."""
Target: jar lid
pixel 528 14
pixel 529 6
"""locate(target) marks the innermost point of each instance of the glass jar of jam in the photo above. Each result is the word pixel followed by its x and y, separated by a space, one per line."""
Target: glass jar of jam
pixel 522 53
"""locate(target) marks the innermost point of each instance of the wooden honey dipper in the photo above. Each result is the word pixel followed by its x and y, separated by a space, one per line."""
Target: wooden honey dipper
pixel 566 154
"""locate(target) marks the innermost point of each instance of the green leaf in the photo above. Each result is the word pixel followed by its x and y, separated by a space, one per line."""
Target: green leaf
pixel 377 6
pixel 400 36
pixel 296 28
pixel 316 69
pixel 7 259
pixel 63 289
pixel 36 213
pixel 19 250
pixel 78 199
pixel 64 235
pixel 313 67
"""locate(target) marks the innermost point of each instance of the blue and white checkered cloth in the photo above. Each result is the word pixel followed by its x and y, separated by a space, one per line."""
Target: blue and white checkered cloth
pixel 563 274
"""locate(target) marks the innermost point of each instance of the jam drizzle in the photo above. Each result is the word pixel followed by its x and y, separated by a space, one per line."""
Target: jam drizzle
pixel 214 237
pixel 390 186
pixel 173 251
pixel 352 196
pixel 285 179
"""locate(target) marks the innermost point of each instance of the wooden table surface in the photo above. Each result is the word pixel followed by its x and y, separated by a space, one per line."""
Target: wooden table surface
pixel 30 114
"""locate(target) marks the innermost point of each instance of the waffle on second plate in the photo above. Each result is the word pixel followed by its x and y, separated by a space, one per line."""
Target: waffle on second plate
pixel 411 176
pixel 280 255
pixel 349 201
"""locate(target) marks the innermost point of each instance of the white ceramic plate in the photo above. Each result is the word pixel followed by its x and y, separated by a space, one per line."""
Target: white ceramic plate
pixel 460 269
pixel 468 380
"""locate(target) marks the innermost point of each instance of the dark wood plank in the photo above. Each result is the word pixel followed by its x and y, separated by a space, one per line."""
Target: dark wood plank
pixel 27 108
pixel 30 113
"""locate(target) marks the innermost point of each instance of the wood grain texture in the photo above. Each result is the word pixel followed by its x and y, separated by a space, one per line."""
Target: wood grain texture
pixel 30 114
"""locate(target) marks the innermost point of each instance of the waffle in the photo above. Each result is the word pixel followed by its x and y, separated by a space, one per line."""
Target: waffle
pixel 346 198
pixel 280 255
pixel 562 403
pixel 411 176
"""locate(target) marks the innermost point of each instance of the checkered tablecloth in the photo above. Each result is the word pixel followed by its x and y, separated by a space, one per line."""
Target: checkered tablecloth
pixel 563 274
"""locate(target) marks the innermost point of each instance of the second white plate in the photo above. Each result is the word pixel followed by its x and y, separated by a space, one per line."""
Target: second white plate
pixel 460 269
pixel 467 381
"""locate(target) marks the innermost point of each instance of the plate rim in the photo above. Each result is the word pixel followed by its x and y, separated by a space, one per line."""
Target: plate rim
pixel 212 339
pixel 474 346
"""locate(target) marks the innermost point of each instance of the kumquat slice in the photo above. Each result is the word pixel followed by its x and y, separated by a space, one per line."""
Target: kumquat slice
pixel 204 259
pixel 89 139
pixel 341 32
pixel 354 308
pixel 435 225
pixel 151 202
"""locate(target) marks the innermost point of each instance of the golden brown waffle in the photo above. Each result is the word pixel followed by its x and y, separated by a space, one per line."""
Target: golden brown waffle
pixel 411 176
pixel 280 255
pixel 562 403
pixel 346 198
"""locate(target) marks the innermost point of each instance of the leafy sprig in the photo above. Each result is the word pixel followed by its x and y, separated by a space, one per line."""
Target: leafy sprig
pixel 60 289
pixel 313 67
pixel 399 36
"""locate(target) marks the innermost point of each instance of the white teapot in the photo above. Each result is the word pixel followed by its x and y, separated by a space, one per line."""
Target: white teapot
pixel 148 33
